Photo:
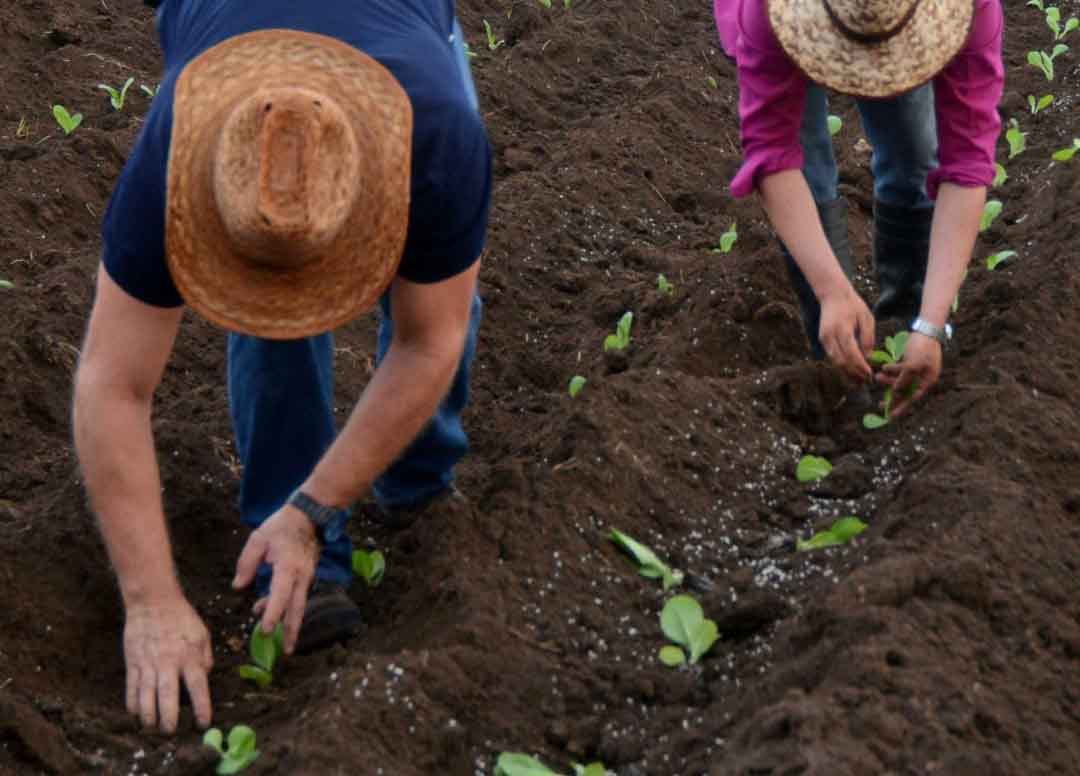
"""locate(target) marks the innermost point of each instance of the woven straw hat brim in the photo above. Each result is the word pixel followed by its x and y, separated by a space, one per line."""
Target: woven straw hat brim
pixel 930 39
pixel 348 278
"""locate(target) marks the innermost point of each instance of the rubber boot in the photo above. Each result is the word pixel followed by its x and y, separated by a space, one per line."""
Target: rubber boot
pixel 834 221
pixel 901 252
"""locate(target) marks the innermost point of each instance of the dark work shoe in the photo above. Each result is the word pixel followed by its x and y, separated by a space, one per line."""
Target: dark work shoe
pixel 330 617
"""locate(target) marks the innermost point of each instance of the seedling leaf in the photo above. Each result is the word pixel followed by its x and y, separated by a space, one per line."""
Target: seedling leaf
pixel 835 124
pixel 1066 154
pixel 663 286
pixel 621 338
pixel 649 564
pixel 1017 140
pixel 1000 175
pixel 811 468
pixel 241 740
pixel 880 357
pixel 712 82
pixel 241 752
pixel 266 648
pixel 369 566
pixel 517 764
pixel 213 738
pixel 702 639
pixel 6 284
pixel 991 210
pixel 895 345
pixel 680 618
pixel 672 656
pixel 995 259
pixel 117 96
pixel 1059 49
pixel 872 421
pixel 577 382
pixel 727 240
pixel 67 122
pixel 592 769
pixel 260 676
pixel 841 532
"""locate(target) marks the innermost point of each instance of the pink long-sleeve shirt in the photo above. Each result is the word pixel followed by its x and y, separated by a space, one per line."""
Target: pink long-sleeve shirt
pixel 772 93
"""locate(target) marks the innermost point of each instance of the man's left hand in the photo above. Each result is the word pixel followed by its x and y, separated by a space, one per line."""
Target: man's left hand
pixel 286 541
pixel 916 373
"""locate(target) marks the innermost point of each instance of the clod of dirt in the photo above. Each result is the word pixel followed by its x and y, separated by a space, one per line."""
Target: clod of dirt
pixel 41 739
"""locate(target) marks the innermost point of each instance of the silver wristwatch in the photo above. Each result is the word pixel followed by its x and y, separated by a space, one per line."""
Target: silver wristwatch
pixel 927 329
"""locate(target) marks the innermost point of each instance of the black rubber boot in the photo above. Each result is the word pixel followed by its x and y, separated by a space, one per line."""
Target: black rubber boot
pixel 834 221
pixel 901 252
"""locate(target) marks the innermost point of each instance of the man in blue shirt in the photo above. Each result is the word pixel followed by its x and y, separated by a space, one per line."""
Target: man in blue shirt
pixel 300 479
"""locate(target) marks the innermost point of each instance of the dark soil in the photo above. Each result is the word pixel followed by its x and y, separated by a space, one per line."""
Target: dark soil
pixel 945 640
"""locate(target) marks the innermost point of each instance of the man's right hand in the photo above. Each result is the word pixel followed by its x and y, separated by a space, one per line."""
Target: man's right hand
pixel 166 642
pixel 847 333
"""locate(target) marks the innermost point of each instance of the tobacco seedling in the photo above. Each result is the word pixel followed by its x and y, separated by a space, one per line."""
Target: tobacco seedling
pixel 1045 62
pixel 1041 104
pixel 150 92
pixel 6 284
pixel 994 260
pixel 663 286
pixel 117 96
pixel 812 468
pixel 265 649
pixel 621 338
pixel 1017 140
pixel 991 210
pixel 369 566
pixel 727 240
pixel 518 764
pixel 1036 3
pixel 577 382
pixel 241 752
pixel 493 43
pixel 1000 175
pixel 712 82
pixel 67 122
pixel 1053 21
pixel 649 564
pixel 683 621
pixel 1066 154
pixel 840 532
pixel 835 124
pixel 892 354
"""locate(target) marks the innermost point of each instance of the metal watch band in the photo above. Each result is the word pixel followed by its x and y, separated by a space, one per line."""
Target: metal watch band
pixel 942 335
pixel 329 522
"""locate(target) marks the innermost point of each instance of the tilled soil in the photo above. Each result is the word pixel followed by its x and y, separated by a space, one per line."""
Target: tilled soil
pixel 944 640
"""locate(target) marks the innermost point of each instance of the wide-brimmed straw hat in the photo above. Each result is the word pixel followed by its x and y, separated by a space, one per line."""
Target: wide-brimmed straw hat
pixel 871 48
pixel 288 183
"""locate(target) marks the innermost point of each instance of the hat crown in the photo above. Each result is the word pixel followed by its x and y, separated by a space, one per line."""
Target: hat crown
pixel 285 175
pixel 871 19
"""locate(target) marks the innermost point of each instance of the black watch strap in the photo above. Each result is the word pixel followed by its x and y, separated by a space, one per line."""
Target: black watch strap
pixel 329 521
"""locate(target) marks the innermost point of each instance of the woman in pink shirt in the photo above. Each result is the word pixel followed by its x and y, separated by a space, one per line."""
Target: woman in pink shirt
pixel 928 75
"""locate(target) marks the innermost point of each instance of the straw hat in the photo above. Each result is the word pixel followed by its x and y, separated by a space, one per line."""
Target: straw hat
pixel 288 183
pixel 871 48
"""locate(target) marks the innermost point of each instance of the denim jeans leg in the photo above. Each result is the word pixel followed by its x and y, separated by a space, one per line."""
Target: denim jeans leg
pixel 426 467
pixel 903 133
pixel 819 164
pixel 463 66
pixel 281 396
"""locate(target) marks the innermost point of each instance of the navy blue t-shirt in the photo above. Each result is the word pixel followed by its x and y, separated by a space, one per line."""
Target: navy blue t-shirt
pixel 451 156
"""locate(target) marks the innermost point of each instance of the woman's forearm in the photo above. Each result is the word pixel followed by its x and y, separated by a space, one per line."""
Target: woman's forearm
pixel 952 240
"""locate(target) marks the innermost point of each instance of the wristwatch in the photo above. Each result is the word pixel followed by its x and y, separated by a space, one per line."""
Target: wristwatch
pixel 927 329
pixel 329 522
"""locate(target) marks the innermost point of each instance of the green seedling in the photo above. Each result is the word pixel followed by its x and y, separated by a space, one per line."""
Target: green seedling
pixel 6 284
pixel 1066 154
pixel 369 566
pixel 1053 21
pixel 67 122
pixel 241 752
pixel 577 382
pixel 991 210
pixel 663 286
pixel 1041 104
pixel 592 769
pixel 545 3
pixel 712 82
pixel 683 621
pixel 835 124
pixel 727 240
pixel 812 468
pixel 892 354
pixel 1017 140
pixel 117 96
pixel 265 649
pixel 1000 175
pixel 518 764
pixel 995 260
pixel 841 532
pixel 649 564
pixel 1037 3
pixel 493 43
pixel 150 92
pixel 1045 62
pixel 621 338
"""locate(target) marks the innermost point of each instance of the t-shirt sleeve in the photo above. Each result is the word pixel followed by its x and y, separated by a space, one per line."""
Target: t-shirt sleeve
pixel 133 228
pixel 451 193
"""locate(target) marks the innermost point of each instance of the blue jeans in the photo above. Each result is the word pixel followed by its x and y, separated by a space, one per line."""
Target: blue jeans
pixel 281 398
pixel 903 135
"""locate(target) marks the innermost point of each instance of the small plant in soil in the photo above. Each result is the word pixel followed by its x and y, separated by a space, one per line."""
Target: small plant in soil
pixel 1016 139
pixel 1053 21
pixel 893 352
pixel 150 91
pixel 370 566
pixel 577 382
pixel 995 260
pixel 518 764
pixel 621 338
pixel 1066 154
pixel 493 43
pixel 1045 62
pixel 684 622
pixel 265 649
pixel 5 284
pixel 67 122
pixel 545 3
pixel 991 210
pixel 840 532
pixel 664 286
pixel 711 82
pixel 649 564
pixel 241 750
pixel 117 96
pixel 1037 4
pixel 834 125
pixel 727 240
pixel 812 468
pixel 1044 102
pixel 1000 175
